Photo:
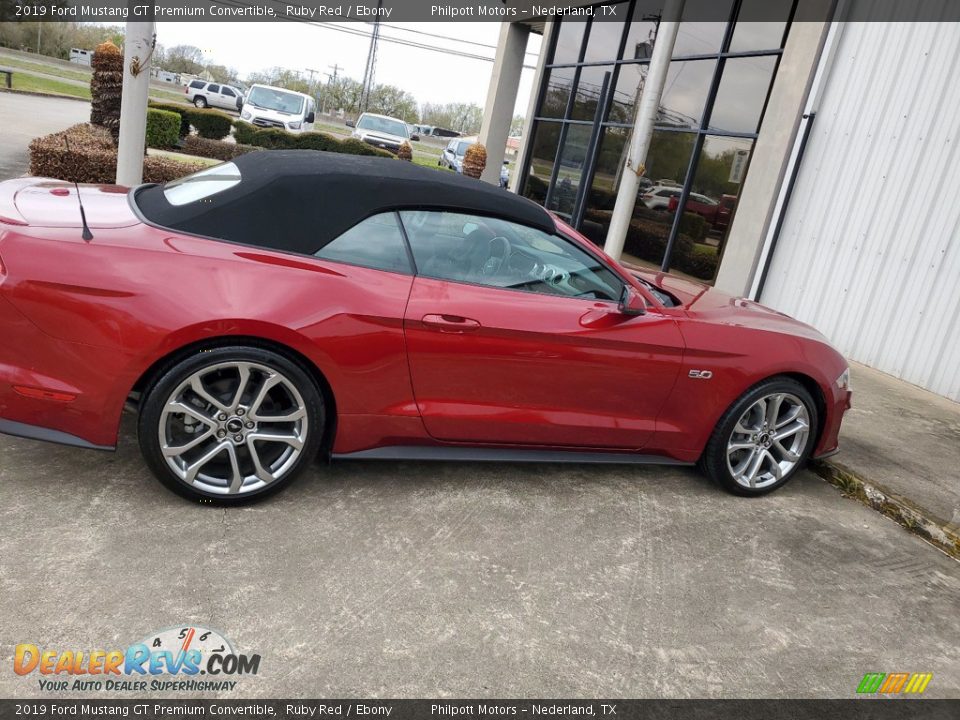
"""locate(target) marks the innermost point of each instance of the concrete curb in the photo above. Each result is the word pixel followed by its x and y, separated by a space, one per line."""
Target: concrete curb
pixel 43 94
pixel 918 520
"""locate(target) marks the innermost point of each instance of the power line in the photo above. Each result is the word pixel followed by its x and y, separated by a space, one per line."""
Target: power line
pixel 370 70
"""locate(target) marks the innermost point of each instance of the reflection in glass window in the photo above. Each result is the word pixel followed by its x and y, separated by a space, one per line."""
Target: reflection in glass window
pixel 543 153
pixel 374 243
pixel 569 41
pixel 573 159
pixel 684 94
pixel 559 87
pixel 708 213
pixel 705 35
pixel 742 94
pixel 588 91
pixel 761 25
pixel 643 30
pixel 605 33
pixel 501 254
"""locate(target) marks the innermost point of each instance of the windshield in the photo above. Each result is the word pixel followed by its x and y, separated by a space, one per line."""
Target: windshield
pixel 383 125
pixel 274 99
pixel 202 185
pixel 462 147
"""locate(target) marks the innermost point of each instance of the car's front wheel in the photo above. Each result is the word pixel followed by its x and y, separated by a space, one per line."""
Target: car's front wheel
pixel 763 439
pixel 231 424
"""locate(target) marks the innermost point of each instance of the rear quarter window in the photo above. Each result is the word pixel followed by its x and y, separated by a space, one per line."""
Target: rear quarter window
pixel 197 84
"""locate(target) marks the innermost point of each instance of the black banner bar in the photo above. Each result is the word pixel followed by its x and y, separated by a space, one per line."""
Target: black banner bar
pixel 113 11
pixel 857 709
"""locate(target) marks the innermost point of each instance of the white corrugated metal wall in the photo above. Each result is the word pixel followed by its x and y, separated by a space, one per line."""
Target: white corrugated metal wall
pixel 870 248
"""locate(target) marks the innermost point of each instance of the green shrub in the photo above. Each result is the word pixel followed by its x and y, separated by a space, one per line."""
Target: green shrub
pixel 210 123
pixel 216 149
pixel 92 158
pixel 276 139
pixel 696 226
pixel 181 110
pixel 163 128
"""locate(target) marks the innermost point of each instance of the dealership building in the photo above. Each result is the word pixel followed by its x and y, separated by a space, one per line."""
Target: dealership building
pixel 815 155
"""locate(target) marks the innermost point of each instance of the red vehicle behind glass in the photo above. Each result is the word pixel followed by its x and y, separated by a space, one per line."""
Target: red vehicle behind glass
pixel 293 303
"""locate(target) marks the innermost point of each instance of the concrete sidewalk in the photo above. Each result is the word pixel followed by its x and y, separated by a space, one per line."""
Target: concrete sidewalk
pixel 900 453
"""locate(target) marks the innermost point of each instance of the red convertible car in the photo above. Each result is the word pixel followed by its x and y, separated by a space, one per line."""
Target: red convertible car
pixel 287 305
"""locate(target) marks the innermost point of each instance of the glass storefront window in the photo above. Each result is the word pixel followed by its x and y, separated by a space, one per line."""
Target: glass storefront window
pixel 543 153
pixel 605 33
pixel 742 94
pixel 756 28
pixel 569 42
pixel 702 140
pixel 572 161
pixel 588 91
pixel 709 209
pixel 559 86
pixel 684 94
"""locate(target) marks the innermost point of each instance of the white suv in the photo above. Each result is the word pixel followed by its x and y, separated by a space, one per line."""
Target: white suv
pixel 381 131
pixel 208 94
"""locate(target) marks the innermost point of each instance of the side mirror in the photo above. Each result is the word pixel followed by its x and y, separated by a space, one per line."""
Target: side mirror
pixel 311 116
pixel 351 123
pixel 632 302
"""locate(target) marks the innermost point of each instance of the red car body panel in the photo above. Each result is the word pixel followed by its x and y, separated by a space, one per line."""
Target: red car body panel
pixel 408 360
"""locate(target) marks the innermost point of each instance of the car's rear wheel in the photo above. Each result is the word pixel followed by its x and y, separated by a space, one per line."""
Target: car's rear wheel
pixel 763 439
pixel 231 424
pixel 200 102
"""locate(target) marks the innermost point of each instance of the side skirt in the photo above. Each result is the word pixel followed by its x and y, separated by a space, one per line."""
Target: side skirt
pixel 462 454
pixel 32 432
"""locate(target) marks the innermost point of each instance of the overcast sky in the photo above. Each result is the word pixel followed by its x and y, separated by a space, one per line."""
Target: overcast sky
pixel 430 76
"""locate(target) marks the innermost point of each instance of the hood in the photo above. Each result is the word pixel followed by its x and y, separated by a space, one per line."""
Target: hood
pixel 706 303
pixel 42 202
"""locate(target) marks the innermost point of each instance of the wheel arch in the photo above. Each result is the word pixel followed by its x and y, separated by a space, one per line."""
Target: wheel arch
pixel 155 371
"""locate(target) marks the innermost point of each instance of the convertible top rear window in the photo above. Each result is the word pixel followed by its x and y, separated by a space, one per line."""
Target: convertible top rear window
pixel 300 200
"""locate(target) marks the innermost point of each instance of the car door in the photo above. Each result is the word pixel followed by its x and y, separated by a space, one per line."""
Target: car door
pixel 514 336
pixel 228 98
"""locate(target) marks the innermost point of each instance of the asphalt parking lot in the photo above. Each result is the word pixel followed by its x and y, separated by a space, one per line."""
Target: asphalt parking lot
pixel 470 580
pixel 44 115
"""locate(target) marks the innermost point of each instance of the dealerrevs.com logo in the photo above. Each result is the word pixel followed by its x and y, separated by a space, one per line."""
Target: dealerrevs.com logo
pixel 170 660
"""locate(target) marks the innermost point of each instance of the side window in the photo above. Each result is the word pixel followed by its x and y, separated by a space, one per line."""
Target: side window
pixel 227 91
pixel 501 254
pixel 197 84
pixel 374 243
pixel 213 88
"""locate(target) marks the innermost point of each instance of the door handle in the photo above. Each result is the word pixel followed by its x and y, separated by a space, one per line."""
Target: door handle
pixel 450 323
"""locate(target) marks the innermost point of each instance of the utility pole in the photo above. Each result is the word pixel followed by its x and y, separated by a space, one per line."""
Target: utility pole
pixel 647 110
pixel 138 44
pixel 368 73
pixel 312 73
pixel 331 79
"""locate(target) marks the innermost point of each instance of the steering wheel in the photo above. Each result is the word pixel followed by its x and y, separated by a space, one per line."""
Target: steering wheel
pixel 499 248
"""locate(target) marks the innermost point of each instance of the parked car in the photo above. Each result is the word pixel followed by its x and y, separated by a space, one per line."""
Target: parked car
pixel 727 204
pixel 291 303
pixel 453 154
pixel 701 205
pixel 205 94
pixel 658 197
pixel 272 107
pixel 381 131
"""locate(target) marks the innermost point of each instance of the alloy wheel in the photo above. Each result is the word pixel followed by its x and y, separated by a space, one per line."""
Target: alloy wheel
pixel 768 440
pixel 233 428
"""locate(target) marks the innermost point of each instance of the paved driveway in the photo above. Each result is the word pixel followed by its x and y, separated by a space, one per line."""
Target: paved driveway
pixel 25 117
pixel 409 579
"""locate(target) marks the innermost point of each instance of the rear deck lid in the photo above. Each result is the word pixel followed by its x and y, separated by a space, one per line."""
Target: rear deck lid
pixel 42 202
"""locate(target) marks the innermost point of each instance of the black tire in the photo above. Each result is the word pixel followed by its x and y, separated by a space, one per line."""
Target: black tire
pixel 261 362
pixel 714 461
pixel 200 102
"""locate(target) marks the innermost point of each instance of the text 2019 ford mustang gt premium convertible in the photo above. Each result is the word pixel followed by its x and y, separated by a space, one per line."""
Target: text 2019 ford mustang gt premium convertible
pixel 288 304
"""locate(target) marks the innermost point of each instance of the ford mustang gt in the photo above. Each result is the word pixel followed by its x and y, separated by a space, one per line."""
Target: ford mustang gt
pixel 289 305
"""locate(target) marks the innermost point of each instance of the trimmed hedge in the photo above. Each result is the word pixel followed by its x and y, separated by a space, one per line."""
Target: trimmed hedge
pixel 216 149
pixel 211 124
pixel 182 110
pixel 163 128
pixel 276 139
pixel 92 158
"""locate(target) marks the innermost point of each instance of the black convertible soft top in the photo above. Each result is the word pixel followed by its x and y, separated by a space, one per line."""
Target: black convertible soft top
pixel 299 200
